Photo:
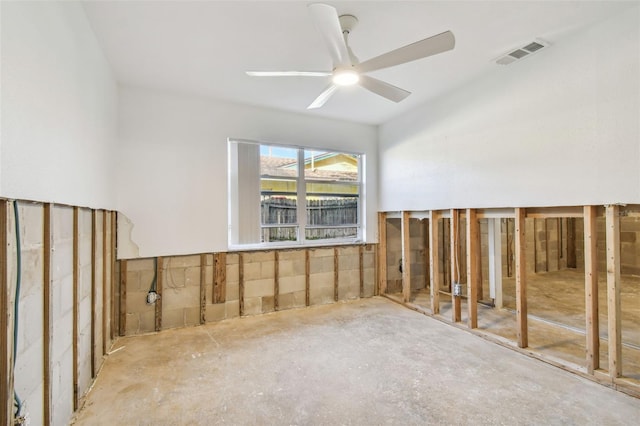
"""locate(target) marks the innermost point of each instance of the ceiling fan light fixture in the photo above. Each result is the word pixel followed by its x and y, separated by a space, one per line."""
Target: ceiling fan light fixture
pixel 345 77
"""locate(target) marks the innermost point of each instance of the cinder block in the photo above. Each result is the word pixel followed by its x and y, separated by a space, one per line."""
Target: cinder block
pixel 62 259
pixel 140 265
pixel 252 305
pixel 286 301
pixel 216 312
pixel 132 324
pixel 321 296
pixel 62 222
pixel 285 268
pixel 208 275
pixel 232 291
pixel 137 302
pixel 172 318
pixel 299 299
pixel 292 284
pixel 31 220
pixel 182 261
pixel 368 260
pixel 267 269
pixel 348 262
pixel 174 277
pixel 192 316
pixel 259 256
pixel 232 259
pixel 321 280
pixel 232 308
pixel 185 297
pixel 192 276
pixel 257 288
pixel 147 322
pixel 268 303
pixel 145 280
pixel 252 271
pixel 232 272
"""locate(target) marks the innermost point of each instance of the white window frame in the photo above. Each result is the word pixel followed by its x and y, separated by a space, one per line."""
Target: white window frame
pixel 301 194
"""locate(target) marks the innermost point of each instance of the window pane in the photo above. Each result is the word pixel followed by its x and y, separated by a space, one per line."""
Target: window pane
pixel 319 189
pixel 279 233
pixel 329 233
pixel 325 165
pixel 278 210
pixel 278 161
pixel 332 211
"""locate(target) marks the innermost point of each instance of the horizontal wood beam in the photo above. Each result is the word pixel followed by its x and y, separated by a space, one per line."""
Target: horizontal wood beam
pixel 553 212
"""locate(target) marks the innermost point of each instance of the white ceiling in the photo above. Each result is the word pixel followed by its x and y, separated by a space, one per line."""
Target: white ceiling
pixel 205 47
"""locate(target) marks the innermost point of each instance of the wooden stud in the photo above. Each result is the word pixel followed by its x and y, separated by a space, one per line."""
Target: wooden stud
pixel 521 283
pixel 406 256
pixel 46 307
pixel 361 268
pixel 220 277
pixel 76 280
pixel 104 282
pixel 425 231
pixel 509 249
pixel 6 373
pixel 276 280
pixel 546 244
pixel 94 252
pixel 612 216
pixel 336 274
pixel 382 253
pixel 241 283
pixel 123 297
pixel 473 267
pixel 454 235
pixel 159 281
pixel 478 258
pixel 307 277
pixel 571 243
pixel 591 288
pixel 434 262
pixel 113 275
pixel 203 288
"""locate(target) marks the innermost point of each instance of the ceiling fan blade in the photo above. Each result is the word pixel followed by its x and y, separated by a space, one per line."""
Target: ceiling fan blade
pixel 418 50
pixel 328 23
pixel 383 89
pixel 324 97
pixel 288 73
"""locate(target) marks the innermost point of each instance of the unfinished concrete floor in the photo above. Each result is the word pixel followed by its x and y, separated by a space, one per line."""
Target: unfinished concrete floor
pixel 365 362
pixel 556 309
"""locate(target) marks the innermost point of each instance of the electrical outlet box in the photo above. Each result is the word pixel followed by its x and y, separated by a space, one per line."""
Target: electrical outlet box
pixel 457 289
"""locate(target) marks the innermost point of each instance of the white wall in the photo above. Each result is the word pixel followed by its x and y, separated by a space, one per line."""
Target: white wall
pixel 560 128
pixel 172 165
pixel 58 107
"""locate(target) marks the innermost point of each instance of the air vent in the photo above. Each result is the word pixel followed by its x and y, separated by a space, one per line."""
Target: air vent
pixel 522 52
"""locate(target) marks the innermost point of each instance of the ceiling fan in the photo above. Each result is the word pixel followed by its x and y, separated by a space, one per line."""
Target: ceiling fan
pixel 347 70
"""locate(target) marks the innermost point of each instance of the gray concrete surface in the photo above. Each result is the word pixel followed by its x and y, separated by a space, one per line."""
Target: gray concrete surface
pixel 366 362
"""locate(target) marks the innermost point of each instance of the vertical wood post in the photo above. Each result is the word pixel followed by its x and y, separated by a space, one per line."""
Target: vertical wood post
pixel 276 280
pixel 406 256
pixel 158 306
pixel 473 267
pixel 454 235
pixel 382 253
pixel 241 284
pixel 94 251
pixel 307 277
pixel 76 275
pixel 571 243
pixel 434 262
pixel 220 277
pixel 123 298
pixel 613 290
pixel 113 275
pixel 336 274
pixel 591 288
pixel 521 283
pixel 104 282
pixel 361 268
pixel 46 315
pixel 203 288
pixel 6 386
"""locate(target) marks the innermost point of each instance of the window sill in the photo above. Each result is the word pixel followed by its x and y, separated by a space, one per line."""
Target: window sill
pixel 291 246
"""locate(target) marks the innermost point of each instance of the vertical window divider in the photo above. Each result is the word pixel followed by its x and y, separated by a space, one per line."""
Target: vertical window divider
pixel 302 198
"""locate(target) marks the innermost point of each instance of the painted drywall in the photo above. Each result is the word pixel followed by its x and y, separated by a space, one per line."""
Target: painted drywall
pixel 172 166
pixel 559 128
pixel 58 107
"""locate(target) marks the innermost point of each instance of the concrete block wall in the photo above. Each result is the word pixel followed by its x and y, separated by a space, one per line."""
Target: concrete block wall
pixel 183 284
pixel 55 400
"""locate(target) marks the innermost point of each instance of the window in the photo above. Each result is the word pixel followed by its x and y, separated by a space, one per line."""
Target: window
pixel 283 195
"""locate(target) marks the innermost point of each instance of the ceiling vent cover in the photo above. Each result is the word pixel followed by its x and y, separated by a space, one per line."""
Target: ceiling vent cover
pixel 523 52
